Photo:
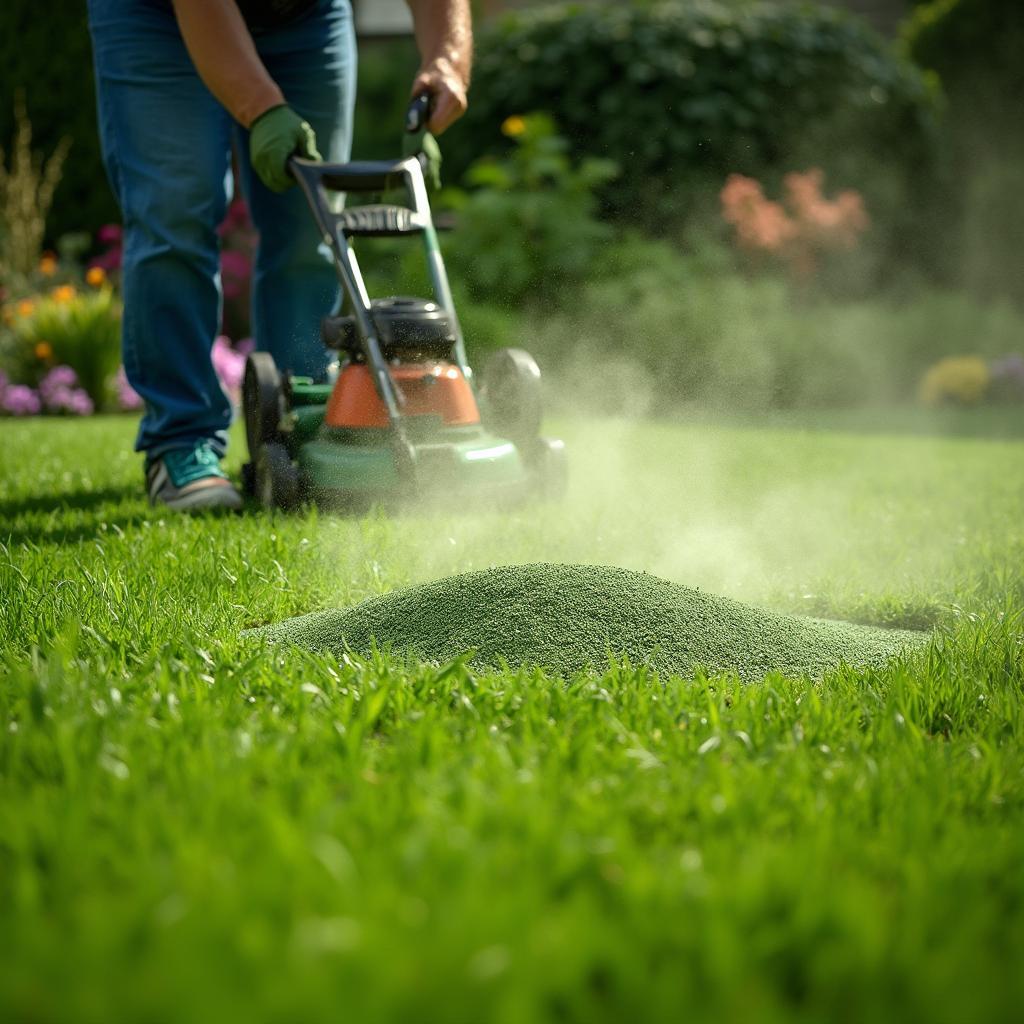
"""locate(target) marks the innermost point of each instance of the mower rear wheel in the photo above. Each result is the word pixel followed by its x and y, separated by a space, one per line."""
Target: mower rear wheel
pixel 276 478
pixel 510 395
pixel 262 401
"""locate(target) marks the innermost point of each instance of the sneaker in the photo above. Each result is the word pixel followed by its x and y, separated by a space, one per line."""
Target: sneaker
pixel 190 479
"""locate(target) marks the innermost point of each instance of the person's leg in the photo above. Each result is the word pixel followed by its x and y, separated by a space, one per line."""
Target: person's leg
pixel 166 144
pixel 313 60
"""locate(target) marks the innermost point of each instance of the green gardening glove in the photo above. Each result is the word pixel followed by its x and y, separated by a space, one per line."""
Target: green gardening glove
pixel 423 145
pixel 274 136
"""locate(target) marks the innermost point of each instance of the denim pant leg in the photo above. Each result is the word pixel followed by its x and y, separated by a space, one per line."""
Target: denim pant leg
pixel 313 60
pixel 166 144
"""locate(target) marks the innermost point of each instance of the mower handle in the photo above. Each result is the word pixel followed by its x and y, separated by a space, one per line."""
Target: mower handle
pixel 418 114
pixel 363 175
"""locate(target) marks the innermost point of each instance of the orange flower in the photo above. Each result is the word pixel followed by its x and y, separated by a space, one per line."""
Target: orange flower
pixel 48 264
pixel 95 276
pixel 43 350
pixel 64 293
pixel 26 307
pixel 513 126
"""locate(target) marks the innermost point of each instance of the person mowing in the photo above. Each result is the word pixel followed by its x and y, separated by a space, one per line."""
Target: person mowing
pixel 180 83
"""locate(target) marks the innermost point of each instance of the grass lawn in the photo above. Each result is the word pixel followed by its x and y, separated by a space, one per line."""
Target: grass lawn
pixel 193 828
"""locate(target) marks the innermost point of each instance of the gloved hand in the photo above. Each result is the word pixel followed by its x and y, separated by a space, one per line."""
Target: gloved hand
pixel 423 145
pixel 274 136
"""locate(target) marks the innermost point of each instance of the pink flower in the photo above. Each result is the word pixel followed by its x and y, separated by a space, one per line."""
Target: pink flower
pixel 109 234
pixel 237 218
pixel 19 400
pixel 235 269
pixel 229 365
pixel 108 261
pixel 760 223
pixel 801 230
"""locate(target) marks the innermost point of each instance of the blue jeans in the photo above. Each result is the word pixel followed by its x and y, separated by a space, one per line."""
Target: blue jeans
pixel 167 150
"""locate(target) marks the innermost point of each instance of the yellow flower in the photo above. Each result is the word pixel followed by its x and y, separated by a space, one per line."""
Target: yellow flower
pixel 64 293
pixel 513 126
pixel 48 264
pixel 26 307
pixel 95 276
pixel 43 350
pixel 961 379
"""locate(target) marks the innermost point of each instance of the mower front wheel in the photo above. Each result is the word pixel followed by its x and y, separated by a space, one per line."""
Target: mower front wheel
pixel 262 401
pixel 276 478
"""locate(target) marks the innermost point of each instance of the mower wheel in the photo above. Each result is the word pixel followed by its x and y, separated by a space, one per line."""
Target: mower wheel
pixel 277 480
pixel 550 466
pixel 262 401
pixel 510 395
pixel 249 479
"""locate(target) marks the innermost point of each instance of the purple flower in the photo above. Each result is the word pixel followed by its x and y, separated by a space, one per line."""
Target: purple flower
pixel 1008 377
pixel 1010 367
pixel 59 380
pixel 20 400
pixel 128 398
pixel 79 403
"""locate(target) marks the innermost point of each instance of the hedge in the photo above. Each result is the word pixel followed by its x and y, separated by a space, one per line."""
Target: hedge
pixel 684 92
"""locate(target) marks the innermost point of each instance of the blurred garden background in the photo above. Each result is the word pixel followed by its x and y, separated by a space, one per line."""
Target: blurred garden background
pixel 732 205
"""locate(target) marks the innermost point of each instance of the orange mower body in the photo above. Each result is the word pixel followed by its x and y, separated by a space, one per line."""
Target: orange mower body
pixel 429 389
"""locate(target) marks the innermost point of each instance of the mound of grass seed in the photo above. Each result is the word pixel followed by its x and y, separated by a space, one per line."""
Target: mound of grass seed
pixel 569 618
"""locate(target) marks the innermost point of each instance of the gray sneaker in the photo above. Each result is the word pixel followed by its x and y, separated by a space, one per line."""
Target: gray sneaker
pixel 190 480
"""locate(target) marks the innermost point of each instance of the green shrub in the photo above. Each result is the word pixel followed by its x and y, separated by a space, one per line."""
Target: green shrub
pixel 65 327
pixel 682 94
pixel 975 47
pixel 528 230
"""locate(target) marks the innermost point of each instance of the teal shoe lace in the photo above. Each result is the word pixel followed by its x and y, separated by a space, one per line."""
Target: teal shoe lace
pixel 185 465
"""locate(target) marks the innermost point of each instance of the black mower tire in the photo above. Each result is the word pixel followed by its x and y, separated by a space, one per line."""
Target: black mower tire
pixel 276 478
pixel 549 465
pixel 510 395
pixel 262 401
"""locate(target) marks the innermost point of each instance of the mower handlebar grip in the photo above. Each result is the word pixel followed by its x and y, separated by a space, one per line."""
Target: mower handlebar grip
pixel 418 114
pixel 358 176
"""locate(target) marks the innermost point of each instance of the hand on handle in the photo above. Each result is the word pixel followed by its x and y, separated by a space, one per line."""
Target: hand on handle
pixel 276 135
pixel 419 142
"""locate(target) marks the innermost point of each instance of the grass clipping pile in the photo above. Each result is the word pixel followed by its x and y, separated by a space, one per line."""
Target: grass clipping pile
pixel 570 618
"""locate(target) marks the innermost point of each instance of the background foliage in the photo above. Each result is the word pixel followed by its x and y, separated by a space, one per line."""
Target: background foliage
pixel 680 94
pixel 49 59
pixel 975 47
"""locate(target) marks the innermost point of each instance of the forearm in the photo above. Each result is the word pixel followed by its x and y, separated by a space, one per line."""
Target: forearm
pixel 444 31
pixel 222 50
pixel 444 37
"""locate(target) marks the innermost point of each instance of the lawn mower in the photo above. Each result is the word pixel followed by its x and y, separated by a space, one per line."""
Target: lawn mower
pixel 403 416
